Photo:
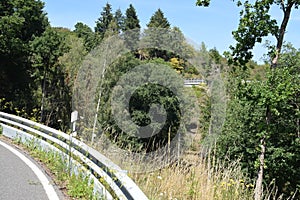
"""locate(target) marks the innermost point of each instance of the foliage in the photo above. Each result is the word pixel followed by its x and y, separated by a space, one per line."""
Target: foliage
pixel 46 51
pixel 139 105
pixel 78 186
pixel 131 28
pixel 177 64
pixel 85 32
pixel 246 124
pixel 20 20
pixel 256 23
pixel 119 20
pixel 104 21
pixel 72 60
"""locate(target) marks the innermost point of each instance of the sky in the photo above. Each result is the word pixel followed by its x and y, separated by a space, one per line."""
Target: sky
pixel 212 25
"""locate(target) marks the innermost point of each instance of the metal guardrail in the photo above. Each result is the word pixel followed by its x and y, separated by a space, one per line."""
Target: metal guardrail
pixel 120 185
pixel 193 81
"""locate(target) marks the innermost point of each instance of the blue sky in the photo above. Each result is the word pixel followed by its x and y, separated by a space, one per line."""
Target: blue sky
pixel 212 25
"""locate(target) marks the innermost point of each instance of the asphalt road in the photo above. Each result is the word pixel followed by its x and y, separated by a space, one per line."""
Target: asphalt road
pixel 21 178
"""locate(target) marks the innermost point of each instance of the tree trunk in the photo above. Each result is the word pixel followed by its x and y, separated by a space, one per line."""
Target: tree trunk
pixel 43 96
pixel 258 192
pixel 99 98
pixel 259 181
pixel 280 38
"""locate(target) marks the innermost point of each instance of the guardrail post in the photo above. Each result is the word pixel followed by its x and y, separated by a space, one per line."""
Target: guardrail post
pixel 74 117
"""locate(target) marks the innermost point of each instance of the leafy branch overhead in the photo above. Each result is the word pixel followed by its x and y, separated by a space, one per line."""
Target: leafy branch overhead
pixel 256 23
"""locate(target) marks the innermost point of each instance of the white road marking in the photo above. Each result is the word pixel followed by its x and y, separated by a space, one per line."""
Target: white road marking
pixel 49 189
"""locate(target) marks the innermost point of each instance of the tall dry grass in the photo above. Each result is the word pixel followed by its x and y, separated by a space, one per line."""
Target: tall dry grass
pixel 200 181
pixel 191 178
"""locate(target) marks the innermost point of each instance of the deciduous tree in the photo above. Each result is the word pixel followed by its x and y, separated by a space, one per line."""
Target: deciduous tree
pixel 20 20
pixel 256 22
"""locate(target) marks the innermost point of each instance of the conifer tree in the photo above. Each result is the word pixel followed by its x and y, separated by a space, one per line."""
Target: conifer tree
pixel 158 20
pixel 131 20
pixel 105 19
pixel 131 28
pixel 119 19
pixel 158 34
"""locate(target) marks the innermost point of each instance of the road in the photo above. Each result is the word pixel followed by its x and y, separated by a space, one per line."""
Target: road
pixel 21 178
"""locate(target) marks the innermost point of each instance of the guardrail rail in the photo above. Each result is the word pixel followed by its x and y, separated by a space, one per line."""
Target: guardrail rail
pixel 98 166
pixel 191 82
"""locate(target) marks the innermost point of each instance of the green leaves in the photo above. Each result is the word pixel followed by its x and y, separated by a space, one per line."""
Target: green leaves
pixel 255 23
pixel 204 3
pixel 246 123
pixel 20 21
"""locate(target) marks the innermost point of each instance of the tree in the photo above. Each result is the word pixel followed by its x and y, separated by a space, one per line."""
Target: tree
pixel 20 20
pixel 72 60
pixel 131 20
pixel 131 28
pixel 104 21
pixel 246 124
pixel 46 51
pixel 157 33
pixel 158 20
pixel 256 22
pixel 85 32
pixel 144 98
pixel 112 29
pixel 119 18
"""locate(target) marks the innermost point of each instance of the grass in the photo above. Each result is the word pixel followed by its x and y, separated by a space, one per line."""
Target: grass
pixel 199 181
pixel 193 178
pixel 78 186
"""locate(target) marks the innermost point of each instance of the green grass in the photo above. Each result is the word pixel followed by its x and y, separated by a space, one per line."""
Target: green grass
pixel 78 186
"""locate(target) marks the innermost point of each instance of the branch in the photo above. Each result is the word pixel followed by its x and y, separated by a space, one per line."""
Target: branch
pixel 283 6
pixel 282 29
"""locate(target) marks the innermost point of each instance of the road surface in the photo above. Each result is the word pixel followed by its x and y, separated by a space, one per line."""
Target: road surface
pixel 21 178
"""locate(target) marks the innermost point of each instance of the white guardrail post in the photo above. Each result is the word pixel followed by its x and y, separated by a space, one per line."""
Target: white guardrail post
pixel 120 185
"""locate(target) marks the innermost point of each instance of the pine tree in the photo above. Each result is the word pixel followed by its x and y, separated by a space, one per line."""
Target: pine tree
pixel 104 20
pixel 119 19
pixel 158 20
pixel 131 28
pixel 131 21
pixel 158 35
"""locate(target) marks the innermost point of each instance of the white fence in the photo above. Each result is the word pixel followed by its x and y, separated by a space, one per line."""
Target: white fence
pixel 191 82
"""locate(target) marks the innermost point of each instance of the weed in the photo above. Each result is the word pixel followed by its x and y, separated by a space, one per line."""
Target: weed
pixel 78 185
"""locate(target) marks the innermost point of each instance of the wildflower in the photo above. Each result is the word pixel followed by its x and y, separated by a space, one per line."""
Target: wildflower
pixel 250 185
pixel 159 177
